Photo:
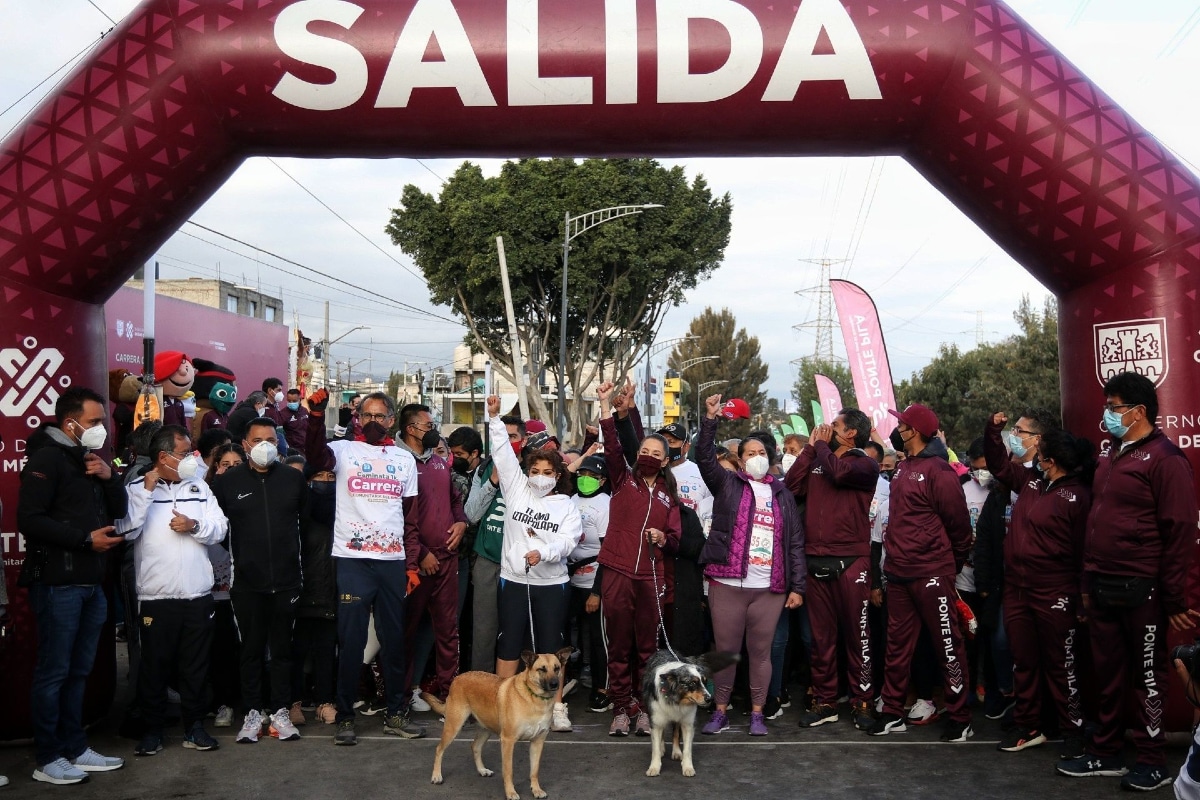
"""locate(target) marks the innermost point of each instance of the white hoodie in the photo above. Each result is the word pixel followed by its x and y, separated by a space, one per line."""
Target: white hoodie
pixel 551 524
pixel 170 565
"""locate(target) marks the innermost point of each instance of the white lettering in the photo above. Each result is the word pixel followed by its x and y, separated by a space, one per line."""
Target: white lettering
pixel 434 20
pixel 1149 640
pixel 848 63
pixel 620 52
pixel 526 86
pixel 676 84
pixel 348 66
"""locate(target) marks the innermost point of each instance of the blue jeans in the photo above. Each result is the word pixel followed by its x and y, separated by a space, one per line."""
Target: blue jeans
pixel 69 619
pixel 361 584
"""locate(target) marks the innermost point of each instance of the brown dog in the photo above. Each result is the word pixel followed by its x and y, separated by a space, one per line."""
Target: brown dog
pixel 516 708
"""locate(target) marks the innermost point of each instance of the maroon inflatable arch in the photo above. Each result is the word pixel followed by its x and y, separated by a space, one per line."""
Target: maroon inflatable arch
pixel 182 91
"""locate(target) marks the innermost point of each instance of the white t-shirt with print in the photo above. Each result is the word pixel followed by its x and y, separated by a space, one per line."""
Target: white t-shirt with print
pixel 761 547
pixel 976 496
pixel 593 514
pixel 693 492
pixel 372 482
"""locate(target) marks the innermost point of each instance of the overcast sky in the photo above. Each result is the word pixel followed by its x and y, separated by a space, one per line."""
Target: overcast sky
pixel 930 269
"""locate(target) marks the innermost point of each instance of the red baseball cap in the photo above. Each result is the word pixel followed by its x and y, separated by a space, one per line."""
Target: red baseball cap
pixel 533 426
pixel 736 408
pixel 920 418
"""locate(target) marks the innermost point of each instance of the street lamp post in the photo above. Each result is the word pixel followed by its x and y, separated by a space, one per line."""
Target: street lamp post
pixel 651 352
pixel 572 227
pixel 329 342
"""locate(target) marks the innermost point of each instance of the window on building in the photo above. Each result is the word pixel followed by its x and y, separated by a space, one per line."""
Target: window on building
pixel 231 304
pixel 270 313
pixel 254 308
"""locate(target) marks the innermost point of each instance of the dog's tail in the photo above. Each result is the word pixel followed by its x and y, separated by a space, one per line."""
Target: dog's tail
pixel 438 706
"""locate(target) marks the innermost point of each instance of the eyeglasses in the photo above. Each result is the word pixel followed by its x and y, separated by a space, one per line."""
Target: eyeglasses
pixel 421 426
pixel 1022 432
pixel 1115 406
pixel 374 417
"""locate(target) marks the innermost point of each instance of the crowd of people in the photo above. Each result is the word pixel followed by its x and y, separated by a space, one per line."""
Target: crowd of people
pixel 291 576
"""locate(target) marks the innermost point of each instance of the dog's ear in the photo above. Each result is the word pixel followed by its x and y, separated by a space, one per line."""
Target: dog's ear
pixel 668 684
pixel 564 654
pixel 716 660
pixel 527 658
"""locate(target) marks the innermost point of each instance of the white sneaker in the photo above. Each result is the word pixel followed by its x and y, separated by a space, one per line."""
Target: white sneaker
pixel 173 697
pixel 559 721
pixel 59 772
pixel 281 726
pixel 922 712
pixel 251 727
pixel 879 704
pixel 569 687
pixel 224 717
pixel 3 780
pixel 418 703
pixel 91 761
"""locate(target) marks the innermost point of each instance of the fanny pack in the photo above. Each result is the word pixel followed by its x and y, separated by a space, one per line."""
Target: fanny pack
pixel 575 566
pixel 828 568
pixel 1121 592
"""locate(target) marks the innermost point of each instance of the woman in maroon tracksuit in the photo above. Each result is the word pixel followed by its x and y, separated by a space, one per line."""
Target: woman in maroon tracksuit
pixel 643 526
pixel 1043 563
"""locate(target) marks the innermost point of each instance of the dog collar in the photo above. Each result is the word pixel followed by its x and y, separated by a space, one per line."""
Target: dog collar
pixel 535 694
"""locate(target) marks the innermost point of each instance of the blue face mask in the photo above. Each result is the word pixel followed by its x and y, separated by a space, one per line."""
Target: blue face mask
pixel 293 406
pixel 1014 444
pixel 1113 422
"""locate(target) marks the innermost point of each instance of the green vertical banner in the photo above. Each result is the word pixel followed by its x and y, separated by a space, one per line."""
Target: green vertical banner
pixel 818 414
pixel 799 425
pixel 786 429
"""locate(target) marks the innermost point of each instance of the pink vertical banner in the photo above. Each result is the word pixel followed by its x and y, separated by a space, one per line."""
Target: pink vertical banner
pixel 867 353
pixel 829 397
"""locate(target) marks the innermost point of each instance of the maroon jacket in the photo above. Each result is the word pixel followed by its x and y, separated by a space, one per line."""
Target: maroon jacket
pixel 929 526
pixel 1143 520
pixel 439 503
pixel 838 491
pixel 1044 545
pixel 633 508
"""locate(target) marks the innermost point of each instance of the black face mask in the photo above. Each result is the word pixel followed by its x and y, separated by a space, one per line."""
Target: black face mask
pixel 374 432
pixel 461 465
pixel 675 453
pixel 430 439
pixel 886 473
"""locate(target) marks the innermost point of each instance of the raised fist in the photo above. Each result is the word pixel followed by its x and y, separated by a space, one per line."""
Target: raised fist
pixel 318 401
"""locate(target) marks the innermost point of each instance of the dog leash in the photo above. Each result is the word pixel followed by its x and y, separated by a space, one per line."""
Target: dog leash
pixel 529 605
pixel 662 625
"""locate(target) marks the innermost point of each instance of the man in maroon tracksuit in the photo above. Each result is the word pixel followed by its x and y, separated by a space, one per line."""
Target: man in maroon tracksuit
pixel 837 479
pixel 928 540
pixel 1141 537
pixel 441 522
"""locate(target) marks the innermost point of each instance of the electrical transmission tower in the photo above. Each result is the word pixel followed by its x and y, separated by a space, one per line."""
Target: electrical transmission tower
pixel 822 326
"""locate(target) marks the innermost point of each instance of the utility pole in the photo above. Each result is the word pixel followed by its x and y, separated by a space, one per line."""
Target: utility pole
pixel 325 370
pixel 822 326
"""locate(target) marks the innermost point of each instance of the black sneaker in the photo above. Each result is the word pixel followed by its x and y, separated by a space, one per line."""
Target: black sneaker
pixel 1018 739
pixel 957 731
pixel 997 708
pixel 373 706
pixel 150 745
pixel 1074 745
pixel 772 709
pixel 399 725
pixel 345 734
pixel 820 714
pixel 198 739
pixel 1090 766
pixel 861 713
pixel 887 723
pixel 599 702
pixel 1146 778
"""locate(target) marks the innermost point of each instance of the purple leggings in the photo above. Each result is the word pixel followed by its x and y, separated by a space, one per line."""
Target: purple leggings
pixel 752 613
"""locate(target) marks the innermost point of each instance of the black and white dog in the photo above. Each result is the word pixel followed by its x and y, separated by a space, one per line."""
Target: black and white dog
pixel 672 690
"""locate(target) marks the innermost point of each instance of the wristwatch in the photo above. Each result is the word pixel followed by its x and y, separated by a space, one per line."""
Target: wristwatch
pixel 195 527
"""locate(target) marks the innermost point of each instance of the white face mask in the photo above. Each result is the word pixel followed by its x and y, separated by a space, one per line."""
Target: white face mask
pixel 188 466
pixel 757 466
pixel 262 411
pixel 264 454
pixel 788 460
pixel 982 477
pixel 542 485
pixel 93 438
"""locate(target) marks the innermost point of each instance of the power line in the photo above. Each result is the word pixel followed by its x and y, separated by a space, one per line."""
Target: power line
pixel 1181 35
pixel 40 83
pixel 1078 15
pixel 102 11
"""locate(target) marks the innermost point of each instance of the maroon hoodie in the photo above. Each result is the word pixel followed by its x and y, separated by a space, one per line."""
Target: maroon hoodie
pixel 1044 545
pixel 1143 520
pixel 439 503
pixel 633 508
pixel 838 491
pixel 929 526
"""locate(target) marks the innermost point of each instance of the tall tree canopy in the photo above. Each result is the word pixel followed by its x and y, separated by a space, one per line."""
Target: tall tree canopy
pixel 738 367
pixel 623 275
pixel 1010 375
pixel 804 391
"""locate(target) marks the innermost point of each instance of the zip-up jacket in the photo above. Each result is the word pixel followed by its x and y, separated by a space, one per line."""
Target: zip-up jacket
pixel 1143 520
pixel 550 525
pixel 838 493
pixel 485 508
pixel 170 565
pixel 727 551
pixel 58 505
pixel 295 425
pixel 929 526
pixel 264 510
pixel 1044 544
pixel 634 508
pixel 439 503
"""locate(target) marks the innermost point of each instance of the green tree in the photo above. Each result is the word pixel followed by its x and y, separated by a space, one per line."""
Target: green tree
pixel 738 368
pixel 393 383
pixel 804 391
pixel 624 275
pixel 1011 375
